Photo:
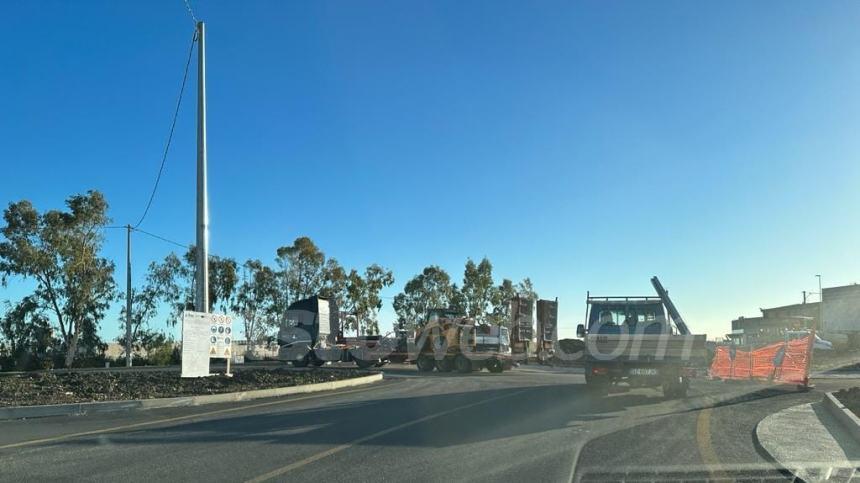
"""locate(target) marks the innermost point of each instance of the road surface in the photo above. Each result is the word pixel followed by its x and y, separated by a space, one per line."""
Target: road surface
pixel 530 424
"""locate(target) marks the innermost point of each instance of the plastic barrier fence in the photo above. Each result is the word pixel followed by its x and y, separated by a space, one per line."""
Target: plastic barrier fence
pixel 786 362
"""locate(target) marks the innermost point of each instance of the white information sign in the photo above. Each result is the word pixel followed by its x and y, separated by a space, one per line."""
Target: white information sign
pixel 195 344
pixel 220 336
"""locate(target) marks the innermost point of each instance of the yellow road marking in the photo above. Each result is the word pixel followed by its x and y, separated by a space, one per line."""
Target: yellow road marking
pixel 174 419
pixel 703 441
pixel 337 449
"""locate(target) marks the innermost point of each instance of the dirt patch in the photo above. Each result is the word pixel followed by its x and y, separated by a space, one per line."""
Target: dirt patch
pixel 850 398
pixel 76 387
pixel 843 360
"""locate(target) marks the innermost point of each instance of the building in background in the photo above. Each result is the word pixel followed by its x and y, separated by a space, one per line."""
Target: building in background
pixel 841 314
pixel 839 310
pixel 767 329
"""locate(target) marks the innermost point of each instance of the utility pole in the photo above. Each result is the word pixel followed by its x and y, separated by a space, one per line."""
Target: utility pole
pixel 201 301
pixel 128 296
pixel 820 304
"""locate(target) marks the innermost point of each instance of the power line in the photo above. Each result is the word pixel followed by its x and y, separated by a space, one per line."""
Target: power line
pixel 190 12
pixel 153 235
pixel 172 128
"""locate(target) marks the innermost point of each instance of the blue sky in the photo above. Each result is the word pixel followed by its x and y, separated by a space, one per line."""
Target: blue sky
pixel 587 145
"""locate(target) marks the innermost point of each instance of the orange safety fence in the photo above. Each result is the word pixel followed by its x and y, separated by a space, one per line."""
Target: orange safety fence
pixel 785 362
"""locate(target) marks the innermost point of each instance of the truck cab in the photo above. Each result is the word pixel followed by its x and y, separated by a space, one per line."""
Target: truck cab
pixel 643 315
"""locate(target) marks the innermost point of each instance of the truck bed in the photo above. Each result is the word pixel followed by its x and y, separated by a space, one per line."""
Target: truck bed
pixel 649 347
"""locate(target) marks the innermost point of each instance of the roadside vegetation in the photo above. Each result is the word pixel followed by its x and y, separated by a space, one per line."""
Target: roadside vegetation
pixel 57 257
pixel 78 387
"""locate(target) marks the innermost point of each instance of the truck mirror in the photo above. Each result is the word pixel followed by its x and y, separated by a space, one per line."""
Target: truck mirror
pixel 580 330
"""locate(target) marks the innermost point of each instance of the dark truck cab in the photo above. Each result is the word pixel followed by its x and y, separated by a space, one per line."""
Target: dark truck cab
pixel 642 341
pixel 311 333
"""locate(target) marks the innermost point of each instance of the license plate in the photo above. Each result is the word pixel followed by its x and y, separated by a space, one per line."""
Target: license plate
pixel 642 371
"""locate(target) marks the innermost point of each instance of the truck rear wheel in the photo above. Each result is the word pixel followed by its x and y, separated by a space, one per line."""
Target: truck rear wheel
pixel 675 387
pixel 463 364
pixel 303 362
pixel 495 366
pixel 445 364
pixel 314 359
pixel 596 385
pixel 425 363
pixel 682 388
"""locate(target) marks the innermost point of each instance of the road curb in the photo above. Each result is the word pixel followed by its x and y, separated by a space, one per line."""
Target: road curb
pixel 810 440
pixel 767 455
pixel 845 416
pixel 77 409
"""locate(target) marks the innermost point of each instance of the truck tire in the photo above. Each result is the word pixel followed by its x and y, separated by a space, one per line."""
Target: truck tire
pixel 315 360
pixel 682 388
pixel 463 364
pixel 597 388
pixel 495 366
pixel 596 385
pixel 425 363
pixel 303 362
pixel 675 387
pixel 445 364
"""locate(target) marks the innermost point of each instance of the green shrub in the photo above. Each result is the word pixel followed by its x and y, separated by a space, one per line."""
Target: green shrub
pixel 161 355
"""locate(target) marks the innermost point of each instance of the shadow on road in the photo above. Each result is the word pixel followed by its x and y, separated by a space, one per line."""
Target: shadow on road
pixel 537 409
pixel 747 393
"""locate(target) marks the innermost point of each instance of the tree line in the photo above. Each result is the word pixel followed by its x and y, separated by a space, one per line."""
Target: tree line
pixel 477 296
pixel 58 254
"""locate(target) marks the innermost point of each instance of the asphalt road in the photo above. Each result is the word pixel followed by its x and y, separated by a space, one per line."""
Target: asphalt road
pixel 530 424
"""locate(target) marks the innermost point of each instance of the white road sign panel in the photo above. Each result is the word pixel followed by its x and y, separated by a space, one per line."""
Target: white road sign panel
pixel 195 344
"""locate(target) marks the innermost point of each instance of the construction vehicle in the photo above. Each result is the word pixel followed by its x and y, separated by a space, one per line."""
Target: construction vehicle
pixel 642 341
pixel 522 327
pixel 451 341
pixel 547 329
pixel 311 334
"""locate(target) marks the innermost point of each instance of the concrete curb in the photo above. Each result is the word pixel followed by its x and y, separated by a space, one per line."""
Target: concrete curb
pixel 762 450
pixel 845 416
pixel 76 409
pixel 811 440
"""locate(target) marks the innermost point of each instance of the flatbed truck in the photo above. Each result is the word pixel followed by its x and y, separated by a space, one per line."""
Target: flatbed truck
pixel 641 341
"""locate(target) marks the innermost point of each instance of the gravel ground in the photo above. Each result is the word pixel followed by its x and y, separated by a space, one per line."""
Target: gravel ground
pixel 48 388
pixel 850 398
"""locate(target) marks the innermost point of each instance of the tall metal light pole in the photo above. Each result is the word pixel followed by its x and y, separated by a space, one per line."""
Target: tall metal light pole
pixel 201 301
pixel 128 296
